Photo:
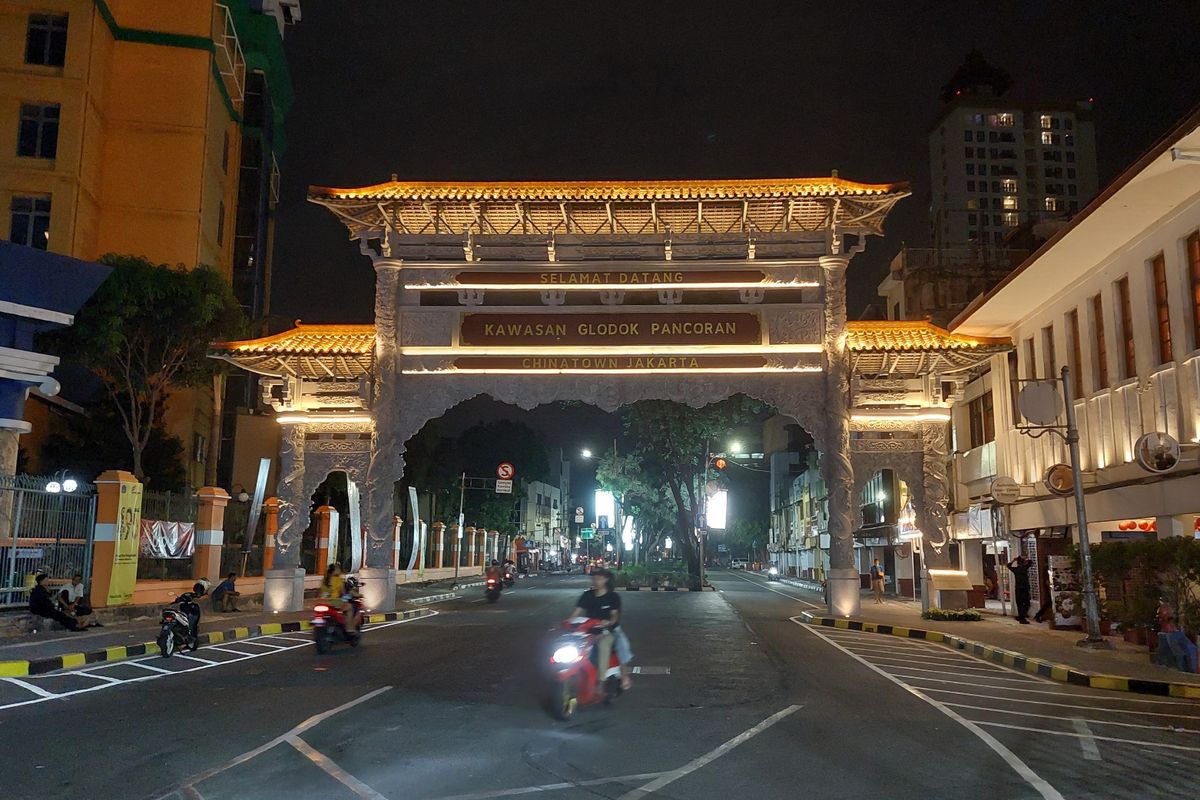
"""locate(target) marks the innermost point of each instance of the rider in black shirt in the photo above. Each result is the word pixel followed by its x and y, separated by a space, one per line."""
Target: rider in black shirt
pixel 603 603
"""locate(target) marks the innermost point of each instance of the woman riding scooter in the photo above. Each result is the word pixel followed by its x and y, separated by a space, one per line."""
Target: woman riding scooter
pixel 603 603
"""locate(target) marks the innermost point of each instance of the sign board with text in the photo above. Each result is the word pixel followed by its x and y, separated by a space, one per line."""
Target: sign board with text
pixel 587 533
pixel 503 487
pixel 609 329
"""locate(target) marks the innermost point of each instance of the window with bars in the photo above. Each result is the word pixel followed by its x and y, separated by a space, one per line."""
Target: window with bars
pixel 1048 352
pixel 46 40
pixel 1162 309
pixel 30 221
pixel 1100 371
pixel 37 136
pixel 1076 353
pixel 983 421
pixel 1128 351
pixel 1193 259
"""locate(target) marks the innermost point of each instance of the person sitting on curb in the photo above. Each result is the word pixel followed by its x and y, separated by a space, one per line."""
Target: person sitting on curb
pixel 224 596
pixel 41 604
pixel 71 600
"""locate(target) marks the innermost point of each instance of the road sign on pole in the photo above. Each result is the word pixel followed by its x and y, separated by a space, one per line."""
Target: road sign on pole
pixel 503 486
pixel 505 471
pixel 579 515
pixel 587 533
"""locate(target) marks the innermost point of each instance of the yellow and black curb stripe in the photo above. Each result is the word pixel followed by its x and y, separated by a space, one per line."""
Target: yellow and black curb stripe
pixel 40 666
pixel 1018 661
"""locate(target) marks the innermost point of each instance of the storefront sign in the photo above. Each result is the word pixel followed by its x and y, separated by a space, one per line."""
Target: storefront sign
pixel 601 363
pixel 125 553
pixel 604 278
pixel 598 330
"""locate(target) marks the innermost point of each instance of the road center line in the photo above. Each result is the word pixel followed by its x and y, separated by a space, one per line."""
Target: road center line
pixel 311 722
pixel 1040 784
pixel 333 770
pixel 1086 740
pixel 776 591
pixel 712 755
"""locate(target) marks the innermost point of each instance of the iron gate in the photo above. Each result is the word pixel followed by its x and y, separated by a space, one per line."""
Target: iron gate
pixel 43 531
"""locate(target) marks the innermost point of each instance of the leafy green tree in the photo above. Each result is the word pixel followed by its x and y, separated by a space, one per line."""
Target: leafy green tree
pixel 747 538
pixel 642 496
pixel 672 444
pixel 145 333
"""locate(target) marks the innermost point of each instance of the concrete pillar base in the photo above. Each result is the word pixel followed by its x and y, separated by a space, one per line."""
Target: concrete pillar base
pixel 951 599
pixel 844 592
pixel 284 590
pixel 378 588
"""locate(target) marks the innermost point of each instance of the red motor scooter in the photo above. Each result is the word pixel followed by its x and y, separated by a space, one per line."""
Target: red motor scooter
pixel 575 678
pixel 329 626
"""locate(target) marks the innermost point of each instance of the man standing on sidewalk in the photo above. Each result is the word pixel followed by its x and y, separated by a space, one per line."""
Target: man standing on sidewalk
pixel 1019 567
pixel 877 576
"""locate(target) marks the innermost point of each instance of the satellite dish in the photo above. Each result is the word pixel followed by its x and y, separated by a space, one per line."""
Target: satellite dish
pixel 1040 403
pixel 1059 480
pixel 1157 452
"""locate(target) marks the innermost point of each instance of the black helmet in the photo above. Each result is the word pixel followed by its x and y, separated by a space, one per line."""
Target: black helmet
pixel 351 582
pixel 495 563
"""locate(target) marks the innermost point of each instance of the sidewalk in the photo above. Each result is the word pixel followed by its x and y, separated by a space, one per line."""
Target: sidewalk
pixel 135 637
pixel 1034 648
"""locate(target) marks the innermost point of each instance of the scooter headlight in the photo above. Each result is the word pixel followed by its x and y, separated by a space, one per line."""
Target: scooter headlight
pixel 773 571
pixel 567 654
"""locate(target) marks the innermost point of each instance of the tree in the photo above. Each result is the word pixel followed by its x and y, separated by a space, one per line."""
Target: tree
pixel 673 444
pixel 146 333
pixel 642 497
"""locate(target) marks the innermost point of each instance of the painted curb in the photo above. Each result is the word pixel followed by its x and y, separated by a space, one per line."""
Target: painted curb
pixel 1019 661
pixel 41 666
pixel 432 598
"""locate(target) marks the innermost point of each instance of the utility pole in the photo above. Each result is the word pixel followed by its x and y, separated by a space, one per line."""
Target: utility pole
pixel 1092 606
pixel 458 534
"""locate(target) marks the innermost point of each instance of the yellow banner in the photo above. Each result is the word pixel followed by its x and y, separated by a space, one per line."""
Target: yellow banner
pixel 125 553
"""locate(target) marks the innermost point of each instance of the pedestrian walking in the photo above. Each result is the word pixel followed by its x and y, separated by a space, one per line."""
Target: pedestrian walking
pixel 1019 567
pixel 877 576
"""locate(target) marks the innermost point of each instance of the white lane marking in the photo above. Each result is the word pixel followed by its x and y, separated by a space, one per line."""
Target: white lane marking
pixel 1040 784
pixel 1139 742
pixel 776 591
pixel 333 770
pixel 1086 740
pixel 952 672
pixel 960 658
pixel 39 691
pixel 311 722
pixel 205 660
pixel 159 672
pixel 951 666
pixel 1059 693
pixel 712 755
pixel 259 644
pixel 226 649
pixel 1060 717
pixel 551 787
pixel 651 670
pixel 92 673
pixel 287 638
pixel 1008 699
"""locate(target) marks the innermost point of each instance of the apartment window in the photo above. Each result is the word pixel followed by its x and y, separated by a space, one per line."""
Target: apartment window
pixel 37 136
pixel 1050 203
pixel 979 136
pixel 1068 123
pixel 983 421
pixel 220 223
pixel 1070 156
pixel 970 186
pixel 968 151
pixel 1162 310
pixel 1047 137
pixel 1100 373
pixel 1001 120
pixel 1046 120
pixel 1010 202
pixel 1008 185
pixel 46 40
pixel 1076 353
pixel 968 136
pixel 30 221
pixel 1128 352
pixel 1048 352
pixel 970 169
pixel 1030 360
pixel 1193 259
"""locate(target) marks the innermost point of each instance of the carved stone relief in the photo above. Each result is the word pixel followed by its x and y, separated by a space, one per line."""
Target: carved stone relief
pixel 794 325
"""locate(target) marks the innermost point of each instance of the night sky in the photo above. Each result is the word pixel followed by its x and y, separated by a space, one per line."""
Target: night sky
pixel 654 89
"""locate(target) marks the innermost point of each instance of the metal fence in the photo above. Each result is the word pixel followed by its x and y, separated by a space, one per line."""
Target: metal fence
pixel 43 531
pixel 167 507
pixel 233 557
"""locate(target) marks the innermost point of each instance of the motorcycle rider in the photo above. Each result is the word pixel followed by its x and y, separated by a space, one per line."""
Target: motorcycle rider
pixel 351 611
pixel 493 571
pixel 603 603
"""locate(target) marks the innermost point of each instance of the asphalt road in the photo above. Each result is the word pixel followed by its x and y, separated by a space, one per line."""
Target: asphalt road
pixel 737 700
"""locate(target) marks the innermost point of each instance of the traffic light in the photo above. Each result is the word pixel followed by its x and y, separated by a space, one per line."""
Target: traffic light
pixel 719 463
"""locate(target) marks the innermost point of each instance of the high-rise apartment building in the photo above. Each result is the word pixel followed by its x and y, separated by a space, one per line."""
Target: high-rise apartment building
pixel 148 129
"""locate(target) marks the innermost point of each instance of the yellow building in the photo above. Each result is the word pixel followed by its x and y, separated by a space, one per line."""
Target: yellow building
pixel 125 126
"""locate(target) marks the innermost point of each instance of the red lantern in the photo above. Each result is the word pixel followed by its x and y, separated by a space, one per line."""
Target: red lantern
pixel 1128 524
pixel 1143 526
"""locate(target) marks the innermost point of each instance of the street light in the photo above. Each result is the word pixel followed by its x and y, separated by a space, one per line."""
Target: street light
pixel 585 453
pixel 735 447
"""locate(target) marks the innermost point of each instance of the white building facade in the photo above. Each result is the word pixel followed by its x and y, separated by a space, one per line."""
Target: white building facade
pixel 1115 296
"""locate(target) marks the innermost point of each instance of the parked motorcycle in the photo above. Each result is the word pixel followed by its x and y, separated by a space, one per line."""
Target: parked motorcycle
pixel 179 626
pixel 329 626
pixel 574 677
pixel 491 590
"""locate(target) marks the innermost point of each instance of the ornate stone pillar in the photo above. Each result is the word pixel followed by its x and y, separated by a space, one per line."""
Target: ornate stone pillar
pixel 379 575
pixel 283 588
pixel 439 544
pixel 931 513
pixel 843 583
